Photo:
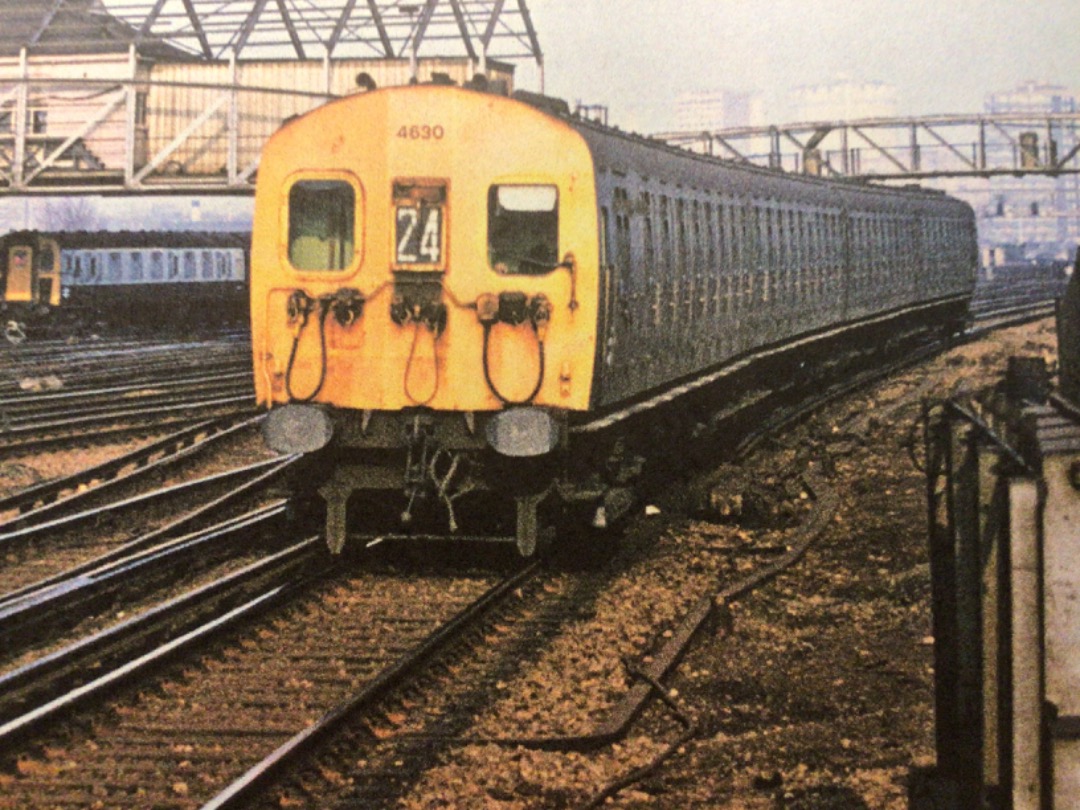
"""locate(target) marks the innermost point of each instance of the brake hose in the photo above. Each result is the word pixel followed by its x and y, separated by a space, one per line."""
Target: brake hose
pixel 324 310
pixel 491 383
pixel 409 365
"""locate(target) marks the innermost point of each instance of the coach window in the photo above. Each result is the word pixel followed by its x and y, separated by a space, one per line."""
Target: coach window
pixel 116 268
pixel 135 261
pixel 649 242
pixel 44 258
pixel 322 225
pixel 189 264
pixel 682 258
pixel 666 264
pixel 605 247
pixel 523 229
pixel 157 265
pixel 207 271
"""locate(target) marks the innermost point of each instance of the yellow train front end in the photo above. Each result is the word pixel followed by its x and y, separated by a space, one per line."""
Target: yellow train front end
pixel 424 279
pixel 29 281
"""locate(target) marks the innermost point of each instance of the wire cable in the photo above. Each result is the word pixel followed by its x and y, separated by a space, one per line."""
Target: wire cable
pixel 491 383
pixel 324 311
pixel 409 365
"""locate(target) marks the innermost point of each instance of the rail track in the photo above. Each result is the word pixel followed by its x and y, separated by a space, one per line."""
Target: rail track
pixel 49 686
pixel 67 527
pixel 61 392
pixel 369 750
pixel 35 503
pixel 71 365
pixel 28 424
pixel 30 615
pixel 262 684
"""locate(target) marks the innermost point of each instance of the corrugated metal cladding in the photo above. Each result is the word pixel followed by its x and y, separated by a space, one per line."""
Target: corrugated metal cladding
pixel 172 110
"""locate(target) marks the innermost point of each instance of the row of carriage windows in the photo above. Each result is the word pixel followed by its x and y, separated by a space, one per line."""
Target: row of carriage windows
pixel 105 266
pixel 522 226
pixel 679 236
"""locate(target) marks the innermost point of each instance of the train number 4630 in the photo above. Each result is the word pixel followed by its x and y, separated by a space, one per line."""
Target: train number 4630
pixel 422 132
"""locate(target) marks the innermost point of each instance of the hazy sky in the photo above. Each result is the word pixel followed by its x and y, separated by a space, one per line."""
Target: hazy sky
pixel 943 56
pixel 635 56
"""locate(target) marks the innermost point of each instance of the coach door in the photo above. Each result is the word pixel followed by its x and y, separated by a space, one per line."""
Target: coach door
pixel 20 274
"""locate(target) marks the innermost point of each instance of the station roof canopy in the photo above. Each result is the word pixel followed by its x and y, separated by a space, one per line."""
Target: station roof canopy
pixel 272 29
pixel 72 27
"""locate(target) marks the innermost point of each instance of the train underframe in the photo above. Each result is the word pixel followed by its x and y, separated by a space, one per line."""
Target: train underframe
pixel 526 474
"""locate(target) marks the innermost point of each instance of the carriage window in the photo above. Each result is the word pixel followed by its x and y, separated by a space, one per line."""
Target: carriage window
pixel 135 262
pixel 116 268
pixel 647 237
pixel 189 264
pixel 207 264
pixel 523 229
pixel 321 224
pixel 157 265
pixel 44 258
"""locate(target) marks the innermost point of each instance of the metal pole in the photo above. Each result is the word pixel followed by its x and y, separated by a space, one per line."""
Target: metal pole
pixel 982 146
pixel 21 110
pixel 129 119
pixel 234 122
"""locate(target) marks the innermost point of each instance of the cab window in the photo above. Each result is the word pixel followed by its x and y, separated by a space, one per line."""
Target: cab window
pixel 44 258
pixel 321 224
pixel 523 229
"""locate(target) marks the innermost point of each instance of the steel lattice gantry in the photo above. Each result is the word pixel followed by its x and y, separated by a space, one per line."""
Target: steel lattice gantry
pixel 176 96
pixel 905 148
pixel 304 29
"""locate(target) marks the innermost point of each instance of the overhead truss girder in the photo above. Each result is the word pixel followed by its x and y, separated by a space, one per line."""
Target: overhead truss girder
pixel 906 148
pixel 221 29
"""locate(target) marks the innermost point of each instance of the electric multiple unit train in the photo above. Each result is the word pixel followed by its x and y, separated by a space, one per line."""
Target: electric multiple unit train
pixel 459 300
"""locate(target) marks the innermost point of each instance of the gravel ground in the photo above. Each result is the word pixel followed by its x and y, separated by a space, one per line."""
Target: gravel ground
pixel 820 697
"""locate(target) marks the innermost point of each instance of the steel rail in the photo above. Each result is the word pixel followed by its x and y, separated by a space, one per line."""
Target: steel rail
pixel 25 437
pixel 83 364
pixel 79 373
pixel 36 501
pixel 49 416
pixel 45 689
pixel 44 406
pixel 256 474
pixel 1009 316
pixel 12 405
pixel 258 776
pixel 26 619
